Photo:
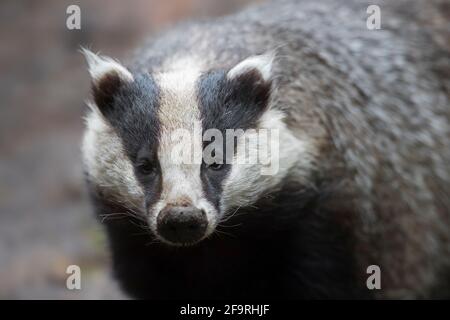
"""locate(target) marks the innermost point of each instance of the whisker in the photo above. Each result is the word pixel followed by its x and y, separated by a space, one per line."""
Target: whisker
pixel 114 215
pixel 229 226
pixel 220 232
pixel 230 216
pixel 154 241
pixel 141 226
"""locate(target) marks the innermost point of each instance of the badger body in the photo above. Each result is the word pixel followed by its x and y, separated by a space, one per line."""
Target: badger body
pixel 364 153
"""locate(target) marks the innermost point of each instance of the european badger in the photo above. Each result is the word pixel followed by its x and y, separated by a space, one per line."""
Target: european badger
pixel 364 153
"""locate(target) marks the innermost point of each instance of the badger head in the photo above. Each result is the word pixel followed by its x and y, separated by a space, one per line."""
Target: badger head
pixel 141 125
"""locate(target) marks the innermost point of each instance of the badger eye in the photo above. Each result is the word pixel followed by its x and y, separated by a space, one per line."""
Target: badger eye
pixel 145 167
pixel 216 166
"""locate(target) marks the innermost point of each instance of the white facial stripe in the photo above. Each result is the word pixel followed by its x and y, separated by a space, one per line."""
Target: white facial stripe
pixel 107 164
pixel 245 184
pixel 179 110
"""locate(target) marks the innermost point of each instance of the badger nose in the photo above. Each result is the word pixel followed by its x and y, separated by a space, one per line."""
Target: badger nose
pixel 181 225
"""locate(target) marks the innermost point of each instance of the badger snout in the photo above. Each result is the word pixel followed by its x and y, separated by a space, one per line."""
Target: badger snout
pixel 181 224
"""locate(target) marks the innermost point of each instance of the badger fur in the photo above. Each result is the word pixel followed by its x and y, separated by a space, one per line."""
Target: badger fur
pixel 364 153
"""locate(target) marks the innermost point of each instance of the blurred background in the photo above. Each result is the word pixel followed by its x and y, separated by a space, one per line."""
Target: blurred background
pixel 46 222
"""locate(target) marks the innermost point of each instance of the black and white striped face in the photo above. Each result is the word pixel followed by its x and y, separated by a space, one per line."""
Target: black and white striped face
pixel 140 124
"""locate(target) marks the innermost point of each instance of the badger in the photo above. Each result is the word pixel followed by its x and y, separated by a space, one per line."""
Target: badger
pixel 363 154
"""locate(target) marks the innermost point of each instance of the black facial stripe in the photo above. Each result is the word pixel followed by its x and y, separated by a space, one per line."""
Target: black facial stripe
pixel 134 115
pixel 151 181
pixel 132 110
pixel 229 104
pixel 232 104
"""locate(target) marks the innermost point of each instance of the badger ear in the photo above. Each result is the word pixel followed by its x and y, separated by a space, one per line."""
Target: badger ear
pixel 262 64
pixel 107 77
pixel 253 78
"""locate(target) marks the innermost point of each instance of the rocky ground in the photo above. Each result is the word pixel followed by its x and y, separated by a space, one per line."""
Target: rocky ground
pixel 46 222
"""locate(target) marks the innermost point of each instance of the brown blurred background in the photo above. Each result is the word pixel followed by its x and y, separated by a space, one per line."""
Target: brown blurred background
pixel 46 222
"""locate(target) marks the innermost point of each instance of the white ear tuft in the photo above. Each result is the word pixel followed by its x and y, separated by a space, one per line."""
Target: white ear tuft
pixel 261 63
pixel 99 66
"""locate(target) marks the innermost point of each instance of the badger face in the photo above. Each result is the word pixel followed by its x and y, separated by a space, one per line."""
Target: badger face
pixel 147 135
